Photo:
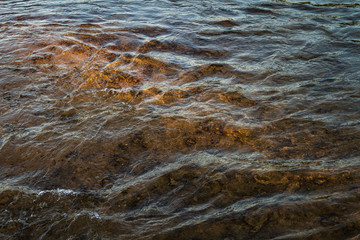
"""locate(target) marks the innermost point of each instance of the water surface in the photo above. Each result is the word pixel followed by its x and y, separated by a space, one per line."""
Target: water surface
pixel 179 119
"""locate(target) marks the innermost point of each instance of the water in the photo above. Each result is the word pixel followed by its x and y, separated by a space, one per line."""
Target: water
pixel 179 119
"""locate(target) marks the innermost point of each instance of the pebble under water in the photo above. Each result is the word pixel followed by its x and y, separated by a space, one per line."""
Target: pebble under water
pixel 179 119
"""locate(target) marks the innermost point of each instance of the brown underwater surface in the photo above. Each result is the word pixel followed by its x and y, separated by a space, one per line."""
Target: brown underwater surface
pixel 174 119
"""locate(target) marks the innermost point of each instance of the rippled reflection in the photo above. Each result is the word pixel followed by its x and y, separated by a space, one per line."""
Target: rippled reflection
pixel 179 120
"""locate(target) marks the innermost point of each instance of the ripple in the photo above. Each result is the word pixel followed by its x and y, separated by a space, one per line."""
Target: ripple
pixel 175 120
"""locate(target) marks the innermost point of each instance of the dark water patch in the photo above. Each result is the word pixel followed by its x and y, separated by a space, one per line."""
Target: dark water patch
pixel 155 45
pixel 30 17
pixel 329 4
pixel 273 5
pixel 149 31
pixel 255 11
pixel 238 33
pixel 355 5
pixel 123 45
pixel 226 23
pixel 263 223
pixel 212 200
pixel 276 79
pixel 314 139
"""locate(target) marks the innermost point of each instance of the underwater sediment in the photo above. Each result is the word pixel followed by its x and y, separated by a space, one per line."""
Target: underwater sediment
pixel 179 120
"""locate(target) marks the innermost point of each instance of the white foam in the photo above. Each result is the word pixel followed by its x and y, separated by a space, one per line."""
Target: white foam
pixel 58 192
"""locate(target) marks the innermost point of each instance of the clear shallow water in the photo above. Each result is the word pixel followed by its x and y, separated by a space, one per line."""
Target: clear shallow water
pixel 179 120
